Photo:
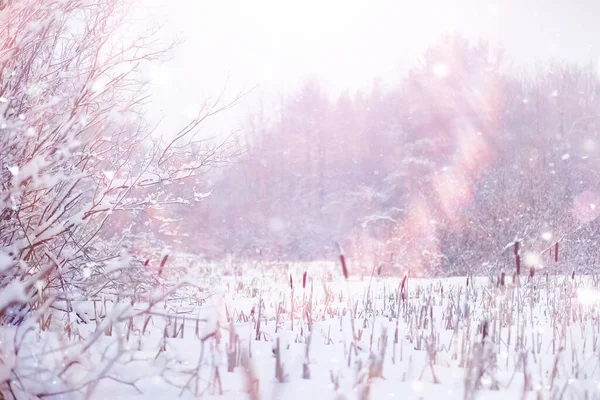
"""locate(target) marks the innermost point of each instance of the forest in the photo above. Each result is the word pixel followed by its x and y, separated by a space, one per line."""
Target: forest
pixel 438 173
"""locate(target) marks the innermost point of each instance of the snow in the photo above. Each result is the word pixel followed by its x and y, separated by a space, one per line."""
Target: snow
pixel 117 264
pixel 109 175
pixel 405 370
pixel 6 261
pixel 14 170
pixel 345 354
pixel 201 195
pixel 13 293
pixel 588 296
pixel 96 301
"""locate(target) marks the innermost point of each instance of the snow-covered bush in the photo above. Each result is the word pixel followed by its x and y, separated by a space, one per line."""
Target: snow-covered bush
pixel 79 165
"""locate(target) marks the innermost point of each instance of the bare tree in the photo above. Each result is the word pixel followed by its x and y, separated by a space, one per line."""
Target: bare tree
pixel 79 164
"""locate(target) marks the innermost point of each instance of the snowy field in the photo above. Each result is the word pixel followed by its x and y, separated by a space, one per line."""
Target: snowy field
pixel 260 335
pixel 127 161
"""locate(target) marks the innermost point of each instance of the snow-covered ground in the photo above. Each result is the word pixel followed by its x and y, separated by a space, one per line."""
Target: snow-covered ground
pixel 374 338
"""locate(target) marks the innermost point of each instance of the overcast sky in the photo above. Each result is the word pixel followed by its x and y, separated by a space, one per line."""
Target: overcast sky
pixel 345 43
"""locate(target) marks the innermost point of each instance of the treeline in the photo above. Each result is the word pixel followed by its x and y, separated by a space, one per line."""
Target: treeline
pixel 440 172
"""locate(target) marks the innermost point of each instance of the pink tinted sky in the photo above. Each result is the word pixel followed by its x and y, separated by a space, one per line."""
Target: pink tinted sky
pixel 346 43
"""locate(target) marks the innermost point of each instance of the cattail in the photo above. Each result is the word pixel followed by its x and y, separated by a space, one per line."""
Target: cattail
pixel 379 269
pixel 162 264
pixel 531 272
pixel 502 278
pixel 430 318
pixel 467 281
pixel 291 283
pixel 556 252
pixel 518 261
pixel 304 280
pixel 403 287
pixel 146 262
pixel 484 330
pixel 573 275
pixel 343 260
pixel 516 248
pixel 344 267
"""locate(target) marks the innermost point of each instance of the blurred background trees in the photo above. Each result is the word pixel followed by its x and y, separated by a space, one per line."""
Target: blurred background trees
pixel 439 172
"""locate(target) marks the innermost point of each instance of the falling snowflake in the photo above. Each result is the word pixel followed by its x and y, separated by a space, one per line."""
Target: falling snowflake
pixel 547 235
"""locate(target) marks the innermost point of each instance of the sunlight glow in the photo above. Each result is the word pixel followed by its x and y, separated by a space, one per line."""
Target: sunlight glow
pixel 440 71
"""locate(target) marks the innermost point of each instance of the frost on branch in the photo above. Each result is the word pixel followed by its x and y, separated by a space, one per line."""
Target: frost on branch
pixel 81 172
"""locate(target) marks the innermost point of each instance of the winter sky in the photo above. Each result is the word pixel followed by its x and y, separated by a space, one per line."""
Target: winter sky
pixel 276 44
